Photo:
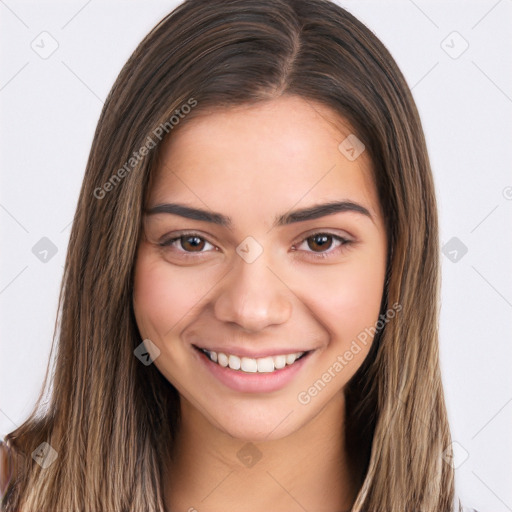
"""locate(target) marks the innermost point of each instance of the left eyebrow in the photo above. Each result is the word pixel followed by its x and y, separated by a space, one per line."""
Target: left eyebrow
pixel 301 215
pixel 321 210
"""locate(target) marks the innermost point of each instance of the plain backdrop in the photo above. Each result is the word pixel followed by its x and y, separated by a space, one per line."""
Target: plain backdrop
pixel 455 56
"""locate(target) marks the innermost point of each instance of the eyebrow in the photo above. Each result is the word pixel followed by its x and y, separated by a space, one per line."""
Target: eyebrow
pixel 301 215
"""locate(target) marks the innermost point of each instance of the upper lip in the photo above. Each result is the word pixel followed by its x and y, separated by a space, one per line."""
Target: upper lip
pixel 244 352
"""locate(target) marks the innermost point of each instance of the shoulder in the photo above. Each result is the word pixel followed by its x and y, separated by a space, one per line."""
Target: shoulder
pixel 11 462
pixel 6 467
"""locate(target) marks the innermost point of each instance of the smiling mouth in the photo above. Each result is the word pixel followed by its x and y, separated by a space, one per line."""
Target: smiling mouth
pixel 267 364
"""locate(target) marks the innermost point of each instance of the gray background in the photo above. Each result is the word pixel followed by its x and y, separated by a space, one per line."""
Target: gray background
pixel 456 58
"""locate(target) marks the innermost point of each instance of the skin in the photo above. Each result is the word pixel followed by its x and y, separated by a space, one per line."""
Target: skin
pixel 254 163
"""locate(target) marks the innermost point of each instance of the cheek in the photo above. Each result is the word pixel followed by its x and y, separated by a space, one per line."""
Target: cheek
pixel 346 298
pixel 162 296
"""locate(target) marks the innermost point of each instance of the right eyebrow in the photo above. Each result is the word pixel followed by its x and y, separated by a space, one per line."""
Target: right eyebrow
pixel 191 213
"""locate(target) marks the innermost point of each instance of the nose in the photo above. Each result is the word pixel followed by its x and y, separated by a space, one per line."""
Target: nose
pixel 253 297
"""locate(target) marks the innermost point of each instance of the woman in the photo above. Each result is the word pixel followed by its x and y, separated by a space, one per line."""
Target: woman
pixel 249 311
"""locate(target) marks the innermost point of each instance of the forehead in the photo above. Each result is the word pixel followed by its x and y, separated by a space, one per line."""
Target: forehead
pixel 262 158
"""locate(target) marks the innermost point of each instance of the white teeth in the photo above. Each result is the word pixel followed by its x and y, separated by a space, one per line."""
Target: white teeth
pixel 234 362
pixel 265 364
pixel 279 362
pixel 290 358
pixel 250 365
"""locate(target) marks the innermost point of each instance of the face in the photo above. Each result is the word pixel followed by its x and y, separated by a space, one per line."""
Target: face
pixel 240 265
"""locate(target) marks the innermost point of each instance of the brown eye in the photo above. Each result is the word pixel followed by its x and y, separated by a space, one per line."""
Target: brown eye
pixel 320 242
pixel 323 245
pixel 192 243
pixel 187 243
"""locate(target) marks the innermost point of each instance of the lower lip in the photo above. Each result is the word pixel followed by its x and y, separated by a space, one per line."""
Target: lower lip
pixel 252 382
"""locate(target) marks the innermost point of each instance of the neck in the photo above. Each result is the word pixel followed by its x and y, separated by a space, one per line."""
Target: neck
pixel 307 470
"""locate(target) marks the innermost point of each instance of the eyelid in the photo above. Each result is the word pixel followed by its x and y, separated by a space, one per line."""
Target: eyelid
pixel 330 252
pixel 167 240
pixel 332 232
pixel 345 240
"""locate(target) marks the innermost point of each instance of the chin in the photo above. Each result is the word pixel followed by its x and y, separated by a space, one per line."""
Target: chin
pixel 251 431
pixel 258 422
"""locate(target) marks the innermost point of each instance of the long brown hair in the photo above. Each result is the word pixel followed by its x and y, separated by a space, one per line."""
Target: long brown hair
pixel 110 418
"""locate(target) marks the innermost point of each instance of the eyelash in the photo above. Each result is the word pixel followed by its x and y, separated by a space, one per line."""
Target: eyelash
pixel 323 255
